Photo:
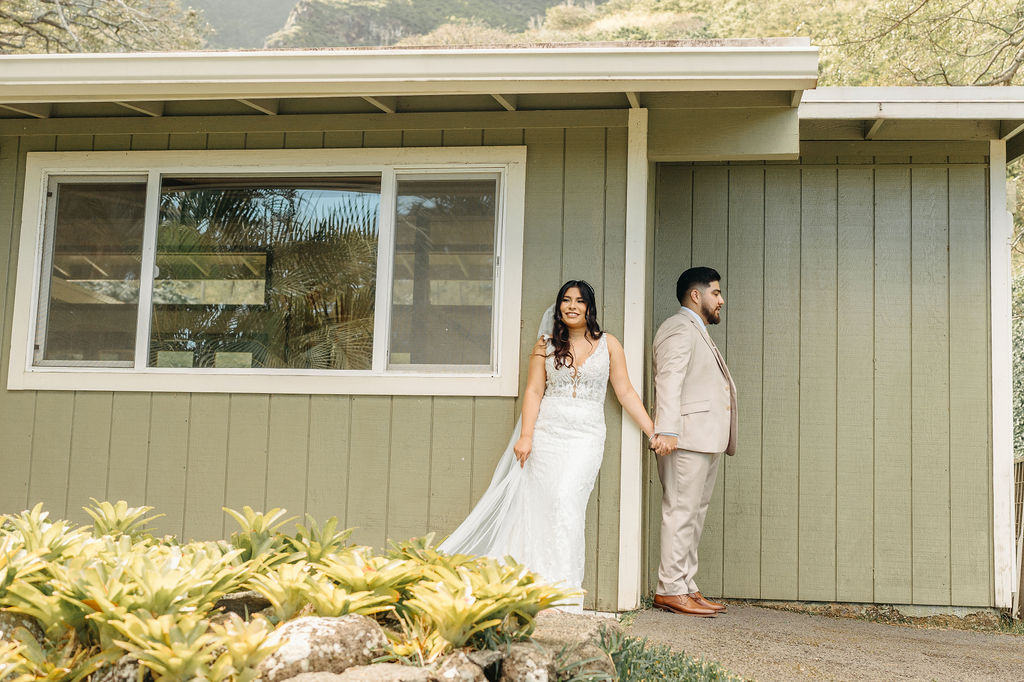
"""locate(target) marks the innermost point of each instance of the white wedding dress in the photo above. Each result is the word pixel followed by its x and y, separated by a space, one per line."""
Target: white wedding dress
pixel 536 514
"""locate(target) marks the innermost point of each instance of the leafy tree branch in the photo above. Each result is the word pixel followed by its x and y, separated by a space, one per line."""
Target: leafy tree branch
pixel 46 26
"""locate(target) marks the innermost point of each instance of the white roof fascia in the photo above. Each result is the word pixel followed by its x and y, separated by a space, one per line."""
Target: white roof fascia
pixel 383 72
pixel 924 102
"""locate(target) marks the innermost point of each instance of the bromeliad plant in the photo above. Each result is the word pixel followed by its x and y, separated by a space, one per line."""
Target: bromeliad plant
pixel 101 591
pixel 120 519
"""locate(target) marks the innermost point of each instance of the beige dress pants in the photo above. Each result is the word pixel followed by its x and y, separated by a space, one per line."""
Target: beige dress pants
pixel 687 481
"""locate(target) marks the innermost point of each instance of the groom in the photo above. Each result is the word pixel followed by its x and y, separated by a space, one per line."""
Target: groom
pixel 695 421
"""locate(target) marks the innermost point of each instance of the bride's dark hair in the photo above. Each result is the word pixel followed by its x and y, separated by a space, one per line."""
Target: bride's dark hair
pixel 560 333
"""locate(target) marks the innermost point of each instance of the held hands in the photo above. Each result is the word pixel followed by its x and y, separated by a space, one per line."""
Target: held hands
pixel 522 449
pixel 663 444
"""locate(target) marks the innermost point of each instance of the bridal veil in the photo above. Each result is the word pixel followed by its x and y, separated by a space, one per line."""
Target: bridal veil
pixel 491 528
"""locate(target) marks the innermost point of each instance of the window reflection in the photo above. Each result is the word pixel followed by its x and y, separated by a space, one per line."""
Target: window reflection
pixel 443 291
pixel 89 303
pixel 267 272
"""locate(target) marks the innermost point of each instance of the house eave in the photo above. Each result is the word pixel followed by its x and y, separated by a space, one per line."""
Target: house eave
pixel 280 74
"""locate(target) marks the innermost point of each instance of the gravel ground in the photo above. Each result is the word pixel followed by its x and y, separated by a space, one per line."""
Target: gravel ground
pixel 767 645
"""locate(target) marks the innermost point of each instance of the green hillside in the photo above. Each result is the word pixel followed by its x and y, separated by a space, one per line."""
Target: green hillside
pixel 242 23
pixel 343 23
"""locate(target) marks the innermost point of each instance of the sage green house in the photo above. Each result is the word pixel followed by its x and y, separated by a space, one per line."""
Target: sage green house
pixel 309 280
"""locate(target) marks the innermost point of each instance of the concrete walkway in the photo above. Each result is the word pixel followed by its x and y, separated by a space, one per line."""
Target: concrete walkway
pixel 767 645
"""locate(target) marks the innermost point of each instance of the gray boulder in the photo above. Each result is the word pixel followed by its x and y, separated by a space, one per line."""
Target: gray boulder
pixel 458 667
pixel 386 672
pixel 528 662
pixel 245 603
pixel 575 641
pixel 315 677
pixel 11 621
pixel 125 669
pixel 314 645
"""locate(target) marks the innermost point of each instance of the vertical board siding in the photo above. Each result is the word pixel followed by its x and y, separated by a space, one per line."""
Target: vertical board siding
pixel 367 497
pixel 741 564
pixel 168 453
pixel 206 466
pixel 129 448
pixel 51 450
pixel 90 448
pixel 817 400
pixel 329 441
pixel 862 472
pixel 970 440
pixel 409 492
pixel 855 450
pixel 929 323
pixel 893 524
pixel 288 453
pixel 780 435
pixel 613 301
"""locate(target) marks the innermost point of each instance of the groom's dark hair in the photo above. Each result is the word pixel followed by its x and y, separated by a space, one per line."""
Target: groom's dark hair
pixel 699 276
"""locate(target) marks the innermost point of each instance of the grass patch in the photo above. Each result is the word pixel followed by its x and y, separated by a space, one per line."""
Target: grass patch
pixel 638 660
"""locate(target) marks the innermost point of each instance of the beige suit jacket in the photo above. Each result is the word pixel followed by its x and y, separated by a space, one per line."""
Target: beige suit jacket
pixel 695 396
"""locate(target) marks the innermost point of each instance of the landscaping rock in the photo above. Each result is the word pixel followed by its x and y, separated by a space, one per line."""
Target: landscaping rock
pixel 489 661
pixel 125 669
pixel 10 621
pixel 386 672
pixel 312 644
pixel 575 641
pixel 459 667
pixel 245 604
pixel 556 628
pixel 527 662
pixel 315 677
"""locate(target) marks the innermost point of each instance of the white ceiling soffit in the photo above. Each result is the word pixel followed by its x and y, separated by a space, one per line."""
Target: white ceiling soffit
pixel 925 102
pixel 778 64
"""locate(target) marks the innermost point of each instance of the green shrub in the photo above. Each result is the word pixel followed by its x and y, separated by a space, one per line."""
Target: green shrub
pixel 104 590
pixel 637 660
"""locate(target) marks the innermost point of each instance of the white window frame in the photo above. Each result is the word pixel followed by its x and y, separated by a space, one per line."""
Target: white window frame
pixel 509 163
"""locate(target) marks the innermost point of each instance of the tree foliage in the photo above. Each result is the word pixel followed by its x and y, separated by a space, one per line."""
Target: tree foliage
pixel 345 23
pixel 939 42
pixel 98 26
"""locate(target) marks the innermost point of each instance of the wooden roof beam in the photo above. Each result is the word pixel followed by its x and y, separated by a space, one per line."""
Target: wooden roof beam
pixel 875 126
pixel 264 106
pixel 634 100
pixel 509 102
pixel 388 105
pixel 32 110
pixel 1010 129
pixel 154 109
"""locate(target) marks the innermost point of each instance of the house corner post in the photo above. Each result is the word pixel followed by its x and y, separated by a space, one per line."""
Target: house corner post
pixel 635 304
pixel 1000 227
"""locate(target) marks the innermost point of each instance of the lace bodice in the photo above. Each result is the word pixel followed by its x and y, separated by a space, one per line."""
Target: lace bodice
pixel 588 382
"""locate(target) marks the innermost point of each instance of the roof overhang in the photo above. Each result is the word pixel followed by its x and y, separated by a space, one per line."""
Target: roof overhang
pixel 916 113
pixel 29 81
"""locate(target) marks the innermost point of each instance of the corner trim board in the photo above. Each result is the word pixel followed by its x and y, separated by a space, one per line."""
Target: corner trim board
pixel 1000 226
pixel 635 305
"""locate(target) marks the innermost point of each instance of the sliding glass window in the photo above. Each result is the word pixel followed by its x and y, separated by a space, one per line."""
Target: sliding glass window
pixel 232 273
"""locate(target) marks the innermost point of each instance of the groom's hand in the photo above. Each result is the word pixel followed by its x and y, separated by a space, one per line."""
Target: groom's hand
pixel 665 444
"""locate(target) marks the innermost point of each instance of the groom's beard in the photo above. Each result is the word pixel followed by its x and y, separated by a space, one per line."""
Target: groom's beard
pixel 711 315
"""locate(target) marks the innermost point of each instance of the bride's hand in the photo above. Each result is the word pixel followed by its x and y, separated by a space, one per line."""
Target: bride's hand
pixel 522 449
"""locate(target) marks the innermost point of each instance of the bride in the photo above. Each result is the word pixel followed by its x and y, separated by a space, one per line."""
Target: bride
pixel 534 512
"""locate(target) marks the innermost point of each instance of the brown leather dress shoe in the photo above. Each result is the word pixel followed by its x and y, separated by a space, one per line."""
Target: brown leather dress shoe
pixel 707 603
pixel 684 604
